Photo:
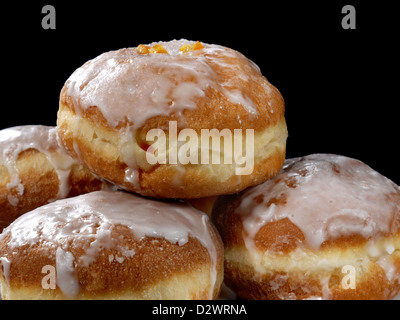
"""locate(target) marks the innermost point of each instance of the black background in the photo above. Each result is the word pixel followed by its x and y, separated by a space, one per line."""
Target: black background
pixel 339 85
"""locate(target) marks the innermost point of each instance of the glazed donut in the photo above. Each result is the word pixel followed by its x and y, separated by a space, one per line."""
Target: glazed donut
pixel 326 227
pixel 110 107
pixel 35 169
pixel 111 245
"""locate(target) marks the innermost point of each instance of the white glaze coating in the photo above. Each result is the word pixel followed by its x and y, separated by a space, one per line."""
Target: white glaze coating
pixel 126 85
pixel 92 217
pixel 334 196
pixel 6 269
pixel 42 138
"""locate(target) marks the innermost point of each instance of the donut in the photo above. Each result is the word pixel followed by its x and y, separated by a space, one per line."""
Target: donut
pixel 203 204
pixel 35 169
pixel 177 119
pixel 326 227
pixel 111 245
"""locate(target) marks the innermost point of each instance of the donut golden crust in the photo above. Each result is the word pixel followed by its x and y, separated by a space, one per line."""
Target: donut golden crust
pixel 203 87
pixel 35 169
pixel 304 233
pixel 112 245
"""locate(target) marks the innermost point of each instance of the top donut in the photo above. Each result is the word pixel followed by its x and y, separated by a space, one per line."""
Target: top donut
pixel 109 105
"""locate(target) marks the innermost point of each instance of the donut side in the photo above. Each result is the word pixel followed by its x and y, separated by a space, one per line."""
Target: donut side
pixel 188 181
pixel 203 204
pixel 157 270
pixel 111 245
pixel 209 88
pixel 40 184
pixel 278 269
pixel 325 227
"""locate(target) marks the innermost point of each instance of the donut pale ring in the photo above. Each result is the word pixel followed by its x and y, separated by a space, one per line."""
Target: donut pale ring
pixel 35 169
pixel 112 245
pixel 326 227
pixel 110 104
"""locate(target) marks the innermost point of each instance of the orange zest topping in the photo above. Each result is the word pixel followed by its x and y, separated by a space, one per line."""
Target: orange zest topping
pixel 157 48
pixel 142 49
pixel 195 46
pixel 185 48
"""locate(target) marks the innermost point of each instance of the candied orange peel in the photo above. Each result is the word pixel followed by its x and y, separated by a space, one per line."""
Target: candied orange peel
pixel 157 48
pixel 195 46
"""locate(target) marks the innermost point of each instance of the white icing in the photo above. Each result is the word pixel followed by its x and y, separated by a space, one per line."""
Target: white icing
pixel 67 279
pixel 323 204
pixel 42 138
pixel 6 268
pixel 91 218
pixel 126 85
pixel 389 267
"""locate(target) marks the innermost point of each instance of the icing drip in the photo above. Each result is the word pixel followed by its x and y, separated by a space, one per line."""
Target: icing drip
pixel 67 279
pixel 15 140
pixel 6 268
pixel 326 197
pixel 90 219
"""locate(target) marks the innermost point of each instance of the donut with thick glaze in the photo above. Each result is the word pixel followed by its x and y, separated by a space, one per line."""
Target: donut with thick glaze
pixel 110 104
pixel 325 227
pixel 35 169
pixel 111 245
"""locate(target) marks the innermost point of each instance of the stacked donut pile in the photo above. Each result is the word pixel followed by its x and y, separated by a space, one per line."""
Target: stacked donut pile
pixel 117 201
